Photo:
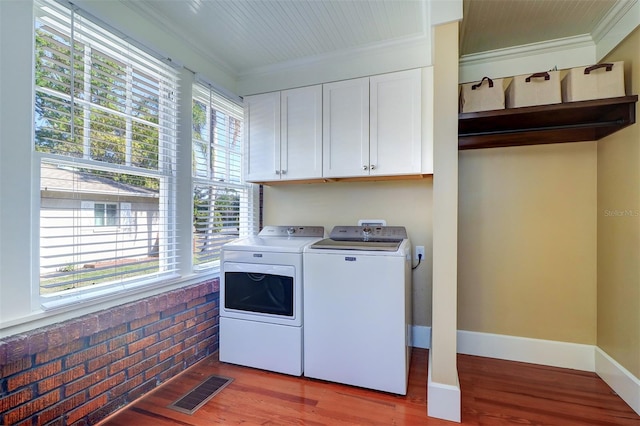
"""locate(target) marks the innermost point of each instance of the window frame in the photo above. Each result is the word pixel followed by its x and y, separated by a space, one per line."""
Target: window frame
pixel 105 217
pixel 229 180
pixel 21 307
pixel 166 143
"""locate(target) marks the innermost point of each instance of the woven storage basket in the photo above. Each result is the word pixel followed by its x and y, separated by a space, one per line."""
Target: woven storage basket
pixel 484 95
pixel 542 88
pixel 594 82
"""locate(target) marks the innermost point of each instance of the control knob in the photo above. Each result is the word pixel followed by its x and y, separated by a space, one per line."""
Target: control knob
pixel 366 233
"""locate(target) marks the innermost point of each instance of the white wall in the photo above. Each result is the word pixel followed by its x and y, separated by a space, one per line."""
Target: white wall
pixel 16 117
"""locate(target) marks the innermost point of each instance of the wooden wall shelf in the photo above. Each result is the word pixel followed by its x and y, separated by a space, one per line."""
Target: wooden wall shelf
pixel 566 122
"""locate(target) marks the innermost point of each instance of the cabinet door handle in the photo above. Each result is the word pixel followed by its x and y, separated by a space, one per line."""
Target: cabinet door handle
pixel 283 172
pixel 373 167
pixel 365 168
pixel 278 172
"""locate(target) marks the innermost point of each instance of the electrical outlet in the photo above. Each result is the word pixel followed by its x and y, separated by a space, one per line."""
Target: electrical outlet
pixel 419 250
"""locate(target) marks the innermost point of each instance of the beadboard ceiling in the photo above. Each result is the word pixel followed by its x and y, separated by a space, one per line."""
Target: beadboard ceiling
pixel 243 36
pixel 497 24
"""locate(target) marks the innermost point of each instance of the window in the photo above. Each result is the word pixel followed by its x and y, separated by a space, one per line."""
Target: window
pixel 222 202
pixel 105 145
pixel 105 214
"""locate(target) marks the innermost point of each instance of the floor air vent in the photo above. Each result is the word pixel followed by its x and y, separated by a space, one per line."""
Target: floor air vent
pixel 199 396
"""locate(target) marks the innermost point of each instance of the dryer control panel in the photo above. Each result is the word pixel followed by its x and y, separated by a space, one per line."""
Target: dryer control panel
pixel 292 231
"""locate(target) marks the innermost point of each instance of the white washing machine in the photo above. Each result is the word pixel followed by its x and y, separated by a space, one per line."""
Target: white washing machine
pixel 261 284
pixel 357 307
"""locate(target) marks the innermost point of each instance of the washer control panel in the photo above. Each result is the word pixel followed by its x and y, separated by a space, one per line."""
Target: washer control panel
pixel 368 233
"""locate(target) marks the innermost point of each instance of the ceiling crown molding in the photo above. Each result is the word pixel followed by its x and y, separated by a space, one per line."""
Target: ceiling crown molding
pixel 530 49
pixel 377 58
pixel 619 11
pixel 611 19
pixel 337 55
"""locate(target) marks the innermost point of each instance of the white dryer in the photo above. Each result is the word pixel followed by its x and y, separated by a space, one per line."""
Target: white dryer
pixel 357 307
pixel 261 298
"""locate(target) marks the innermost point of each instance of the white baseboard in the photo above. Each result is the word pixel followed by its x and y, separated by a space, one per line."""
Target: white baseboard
pixel 443 401
pixel 523 349
pixel 442 398
pixel 421 336
pixel 625 384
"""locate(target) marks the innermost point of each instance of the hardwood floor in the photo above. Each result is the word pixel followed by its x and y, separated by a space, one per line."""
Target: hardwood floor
pixel 494 392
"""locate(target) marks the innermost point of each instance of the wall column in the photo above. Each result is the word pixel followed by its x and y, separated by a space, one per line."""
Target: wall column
pixel 443 388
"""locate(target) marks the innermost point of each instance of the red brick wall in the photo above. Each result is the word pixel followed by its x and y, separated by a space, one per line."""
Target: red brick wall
pixel 78 372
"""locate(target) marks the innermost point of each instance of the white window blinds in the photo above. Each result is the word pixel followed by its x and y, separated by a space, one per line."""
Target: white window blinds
pixel 222 202
pixel 105 144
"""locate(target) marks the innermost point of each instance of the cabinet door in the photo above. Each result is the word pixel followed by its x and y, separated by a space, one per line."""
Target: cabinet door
pixel 396 114
pixel 262 137
pixel 301 137
pixel 345 132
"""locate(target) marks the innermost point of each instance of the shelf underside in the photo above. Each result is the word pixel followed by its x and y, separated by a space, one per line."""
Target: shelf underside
pixel 544 124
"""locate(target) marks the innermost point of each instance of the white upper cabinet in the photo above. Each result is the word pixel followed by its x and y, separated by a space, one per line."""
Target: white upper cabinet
pixel 395 144
pixel 262 137
pixel 372 126
pixel 346 128
pixel 284 135
pixel 301 136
